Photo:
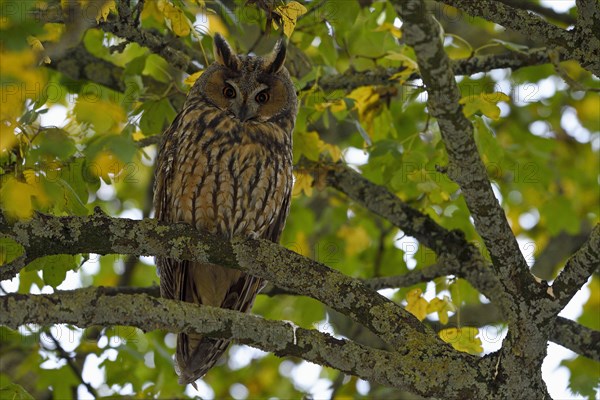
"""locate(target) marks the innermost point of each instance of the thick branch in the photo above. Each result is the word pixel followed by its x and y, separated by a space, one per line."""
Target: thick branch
pixel 466 166
pixel 565 332
pixel 578 269
pixel 584 48
pixel 95 306
pixel 577 338
pixel 454 251
pixel 100 234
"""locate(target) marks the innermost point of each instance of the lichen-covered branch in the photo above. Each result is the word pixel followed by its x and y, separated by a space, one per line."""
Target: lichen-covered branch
pixel 179 55
pixel 458 255
pixel 578 269
pixel 439 377
pixel 385 282
pixel 565 332
pixel 527 337
pixel 465 165
pixel 541 10
pixel 576 337
pixel 581 45
pixel 100 234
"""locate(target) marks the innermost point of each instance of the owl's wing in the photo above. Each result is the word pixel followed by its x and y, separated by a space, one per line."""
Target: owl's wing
pixel 163 177
pixel 273 232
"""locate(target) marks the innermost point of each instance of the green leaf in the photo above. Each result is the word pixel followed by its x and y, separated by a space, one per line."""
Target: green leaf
pixel 307 144
pixel 486 141
pixel 54 268
pixel 13 391
pixel 156 117
pixel 585 375
pixel 559 215
pixel 62 381
pixel 9 250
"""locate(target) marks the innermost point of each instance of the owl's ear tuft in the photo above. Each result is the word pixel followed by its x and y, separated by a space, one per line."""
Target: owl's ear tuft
pixel 224 54
pixel 276 59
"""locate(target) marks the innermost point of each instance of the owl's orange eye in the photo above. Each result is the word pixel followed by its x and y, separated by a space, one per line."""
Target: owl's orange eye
pixel 262 97
pixel 229 92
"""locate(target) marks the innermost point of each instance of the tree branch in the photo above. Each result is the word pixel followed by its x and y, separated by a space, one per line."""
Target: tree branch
pixel 584 48
pixel 387 282
pixel 445 377
pixel 77 369
pixel 465 165
pixel 578 269
pixel 577 338
pixel 565 332
pixel 100 234
pixel 556 251
pixel 541 10
pixel 177 54
pixel 410 278
pixel 459 256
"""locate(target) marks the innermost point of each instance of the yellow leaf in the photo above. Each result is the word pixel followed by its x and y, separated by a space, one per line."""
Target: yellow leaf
pixel 388 27
pixel 16 197
pixel 463 339
pixel 334 106
pixel 138 135
pixel 484 102
pixel 180 24
pixel 105 9
pixel 190 80
pixel 52 32
pixel 216 25
pixel 310 145
pixel 303 183
pixel 334 151
pixel 151 11
pixel 289 14
pixel 367 103
pixel 417 305
pixel 356 238
pixel 27 81
pixel 410 65
pixel 442 307
pixel 105 163
pixel 37 46
pixel 8 138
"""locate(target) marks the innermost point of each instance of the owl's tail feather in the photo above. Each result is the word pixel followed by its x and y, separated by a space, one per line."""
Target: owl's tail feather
pixel 197 354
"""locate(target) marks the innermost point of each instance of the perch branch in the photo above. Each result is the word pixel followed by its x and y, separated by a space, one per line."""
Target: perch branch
pixel 445 377
pixel 100 234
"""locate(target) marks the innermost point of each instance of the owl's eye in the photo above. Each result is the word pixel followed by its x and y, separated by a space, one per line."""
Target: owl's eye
pixel 262 97
pixel 229 92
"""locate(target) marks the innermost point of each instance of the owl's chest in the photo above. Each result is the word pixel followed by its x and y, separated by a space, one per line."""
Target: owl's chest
pixel 231 189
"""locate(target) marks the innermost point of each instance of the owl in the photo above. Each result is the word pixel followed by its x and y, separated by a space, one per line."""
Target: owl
pixel 225 166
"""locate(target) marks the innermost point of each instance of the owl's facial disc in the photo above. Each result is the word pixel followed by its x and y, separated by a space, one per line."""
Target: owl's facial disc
pixel 245 104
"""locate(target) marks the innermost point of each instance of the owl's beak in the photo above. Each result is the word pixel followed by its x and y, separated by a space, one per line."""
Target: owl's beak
pixel 244 113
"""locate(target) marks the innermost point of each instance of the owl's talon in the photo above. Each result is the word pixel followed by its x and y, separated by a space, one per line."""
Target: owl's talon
pixel 253 235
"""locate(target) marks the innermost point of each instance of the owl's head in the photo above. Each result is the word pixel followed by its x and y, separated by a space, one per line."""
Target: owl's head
pixel 248 88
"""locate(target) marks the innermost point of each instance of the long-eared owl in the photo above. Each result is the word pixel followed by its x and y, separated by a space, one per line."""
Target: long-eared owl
pixel 225 166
